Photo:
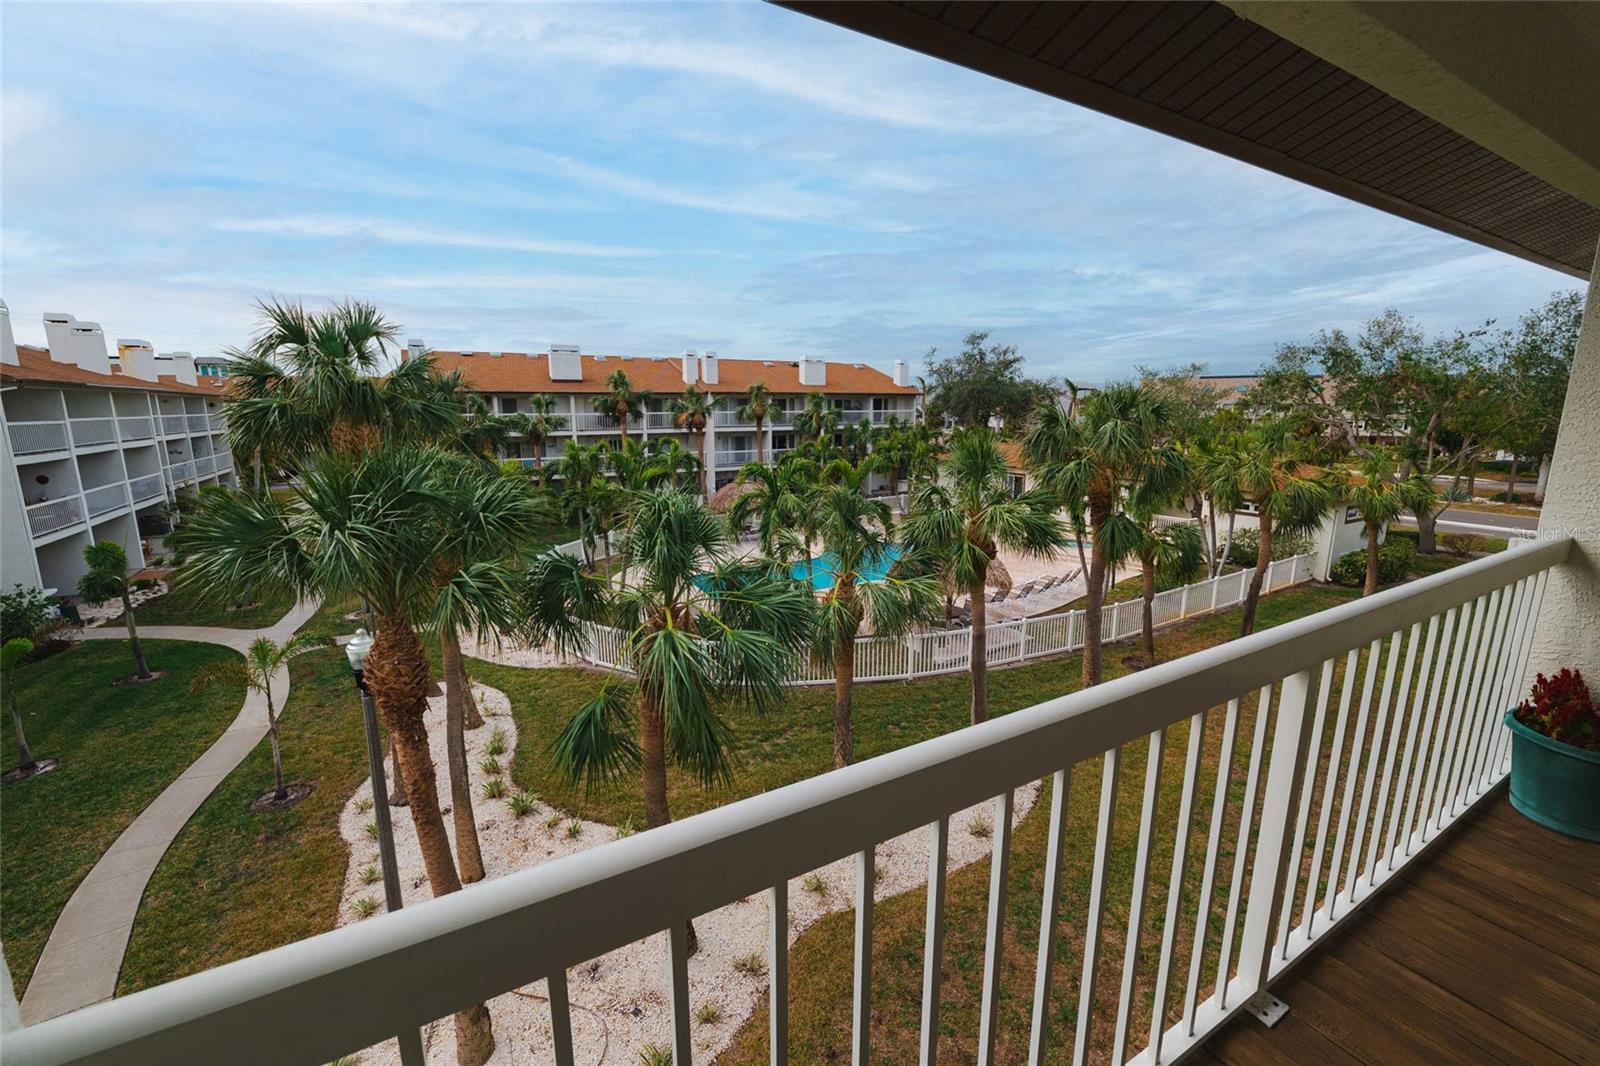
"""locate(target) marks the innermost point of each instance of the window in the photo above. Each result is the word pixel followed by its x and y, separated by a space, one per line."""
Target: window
pixel 508 405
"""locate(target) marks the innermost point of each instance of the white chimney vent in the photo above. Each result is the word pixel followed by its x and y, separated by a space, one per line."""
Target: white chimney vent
pixel 8 341
pixel 691 366
pixel 183 367
pixel 138 358
pixel 566 363
pixel 496 355
pixel 813 372
pixel 708 368
pixel 58 337
pixel 415 349
pixel 89 347
pixel 902 374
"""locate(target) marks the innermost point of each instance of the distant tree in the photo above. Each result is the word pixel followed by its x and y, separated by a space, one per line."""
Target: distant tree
pixel 964 520
pixel 756 408
pixel 1290 494
pixel 1381 491
pixel 25 611
pixel 539 424
pixel 692 410
pixel 1537 358
pixel 13 653
pixel 983 382
pixel 818 419
pixel 1168 555
pixel 107 579
pixel 621 402
pixel 263 659
pixel 775 497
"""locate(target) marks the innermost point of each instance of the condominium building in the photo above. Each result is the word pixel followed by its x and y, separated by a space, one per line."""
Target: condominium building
pixel 95 446
pixel 860 393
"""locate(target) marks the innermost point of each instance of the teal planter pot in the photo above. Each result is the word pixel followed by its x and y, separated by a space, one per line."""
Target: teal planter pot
pixel 1555 784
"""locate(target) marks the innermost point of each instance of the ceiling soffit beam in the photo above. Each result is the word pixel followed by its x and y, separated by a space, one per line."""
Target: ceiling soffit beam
pixel 1519 79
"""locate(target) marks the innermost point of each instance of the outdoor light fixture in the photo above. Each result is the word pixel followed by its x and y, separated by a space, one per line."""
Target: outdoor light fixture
pixel 356 651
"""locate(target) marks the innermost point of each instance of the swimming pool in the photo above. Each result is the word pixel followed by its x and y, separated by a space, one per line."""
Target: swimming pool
pixel 825 567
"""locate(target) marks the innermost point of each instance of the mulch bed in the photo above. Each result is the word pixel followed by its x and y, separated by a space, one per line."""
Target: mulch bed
pixel 297 791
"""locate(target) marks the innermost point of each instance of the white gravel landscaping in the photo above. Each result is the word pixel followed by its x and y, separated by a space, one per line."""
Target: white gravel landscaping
pixel 619 1000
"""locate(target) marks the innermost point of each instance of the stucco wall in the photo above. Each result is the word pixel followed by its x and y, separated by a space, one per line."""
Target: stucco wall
pixel 1569 620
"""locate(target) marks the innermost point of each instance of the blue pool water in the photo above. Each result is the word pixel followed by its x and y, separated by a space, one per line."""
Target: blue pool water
pixel 825 568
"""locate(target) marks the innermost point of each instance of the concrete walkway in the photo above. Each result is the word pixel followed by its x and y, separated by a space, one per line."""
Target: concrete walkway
pixel 83 956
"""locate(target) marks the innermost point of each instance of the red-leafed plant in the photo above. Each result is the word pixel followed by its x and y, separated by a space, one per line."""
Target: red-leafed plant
pixel 1561 708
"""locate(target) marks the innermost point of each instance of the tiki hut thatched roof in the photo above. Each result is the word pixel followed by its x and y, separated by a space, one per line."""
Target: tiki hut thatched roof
pixel 998 577
pixel 723 498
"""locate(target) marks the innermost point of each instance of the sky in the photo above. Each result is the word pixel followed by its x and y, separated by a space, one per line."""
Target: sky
pixel 644 178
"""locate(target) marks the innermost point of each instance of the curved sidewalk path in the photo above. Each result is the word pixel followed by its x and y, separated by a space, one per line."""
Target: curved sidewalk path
pixel 83 956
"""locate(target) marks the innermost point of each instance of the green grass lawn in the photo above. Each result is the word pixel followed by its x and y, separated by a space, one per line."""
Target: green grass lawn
pixel 181 608
pixel 118 749
pixel 235 883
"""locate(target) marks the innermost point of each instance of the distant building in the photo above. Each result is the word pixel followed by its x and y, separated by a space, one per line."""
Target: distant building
pixel 94 446
pixel 211 366
pixel 507 379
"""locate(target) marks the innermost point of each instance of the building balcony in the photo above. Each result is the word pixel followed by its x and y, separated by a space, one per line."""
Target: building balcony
pixel 104 499
pixel 147 487
pixel 94 432
pixel 205 465
pixel 733 457
pixel 199 424
pixel 137 427
pixel 175 425
pixel 37 438
pixel 1331 803
pixel 180 472
pixel 52 516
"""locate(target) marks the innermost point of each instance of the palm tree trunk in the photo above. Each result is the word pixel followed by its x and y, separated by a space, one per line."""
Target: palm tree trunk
pixel 142 669
pixel 1427 524
pixel 1214 565
pixel 538 454
pixel 844 679
pixel 1227 545
pixel 1511 480
pixel 1095 600
pixel 397 779
pixel 25 759
pixel 761 451
pixel 468 852
pixel 1371 584
pixel 1148 567
pixel 979 665
pixel 653 763
pixel 1083 563
pixel 1263 560
pixel 279 790
pixel 1472 478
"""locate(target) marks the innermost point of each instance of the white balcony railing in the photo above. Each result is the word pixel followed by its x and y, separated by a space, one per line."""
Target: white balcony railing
pixel 199 424
pixel 217 423
pixel 175 425
pixel 205 465
pixel 224 462
pixel 1295 740
pixel 146 487
pixel 734 457
pixel 179 472
pixel 594 422
pixel 103 499
pixel 53 515
pixel 37 438
pixel 137 427
pixel 660 420
pixel 89 432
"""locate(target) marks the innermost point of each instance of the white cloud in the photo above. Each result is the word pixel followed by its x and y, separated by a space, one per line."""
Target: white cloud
pixel 403 233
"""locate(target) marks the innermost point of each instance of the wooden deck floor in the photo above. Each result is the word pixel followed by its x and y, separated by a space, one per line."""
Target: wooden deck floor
pixel 1487 950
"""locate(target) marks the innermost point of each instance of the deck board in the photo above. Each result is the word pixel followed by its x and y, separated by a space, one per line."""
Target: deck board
pixel 1485 950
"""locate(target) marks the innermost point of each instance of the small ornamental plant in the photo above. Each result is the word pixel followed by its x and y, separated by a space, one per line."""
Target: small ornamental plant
pixel 1561 708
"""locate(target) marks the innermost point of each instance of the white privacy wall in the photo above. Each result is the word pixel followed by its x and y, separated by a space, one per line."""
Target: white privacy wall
pixel 1569 622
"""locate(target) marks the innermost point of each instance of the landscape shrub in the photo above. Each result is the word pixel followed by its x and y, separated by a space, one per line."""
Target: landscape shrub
pixel 24 613
pixel 1246 542
pixel 1396 555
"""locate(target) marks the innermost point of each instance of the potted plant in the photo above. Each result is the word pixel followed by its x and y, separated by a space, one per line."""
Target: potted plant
pixel 1555 756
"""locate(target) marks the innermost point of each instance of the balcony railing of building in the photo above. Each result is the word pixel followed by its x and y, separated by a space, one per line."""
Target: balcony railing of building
pixel 199 424
pixel 660 420
pixel 90 432
pixel 734 457
pixel 136 427
pixel 54 515
pixel 175 425
pixel 594 422
pixel 217 423
pixel 1296 738
pixel 179 472
pixel 204 465
pixel 37 438
pixel 146 487
pixel 103 499
pixel 224 462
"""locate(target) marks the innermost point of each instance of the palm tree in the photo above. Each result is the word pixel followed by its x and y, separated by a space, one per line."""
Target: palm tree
pixel 1112 456
pixel 1382 494
pixel 262 660
pixel 776 499
pixel 817 419
pixel 755 409
pixel 580 469
pixel 540 423
pixel 1290 495
pixel 313 380
pixel 622 402
pixel 692 411
pixel 107 579
pixel 1169 555
pixel 857 536
pixel 696 627
pixel 965 518
pixel 12 654
pixel 1217 474
pixel 374 524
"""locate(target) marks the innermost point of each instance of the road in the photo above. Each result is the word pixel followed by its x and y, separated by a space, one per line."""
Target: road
pixel 1455 520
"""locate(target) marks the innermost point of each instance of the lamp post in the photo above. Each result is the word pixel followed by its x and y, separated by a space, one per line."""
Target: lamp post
pixel 410 1040
pixel 356 651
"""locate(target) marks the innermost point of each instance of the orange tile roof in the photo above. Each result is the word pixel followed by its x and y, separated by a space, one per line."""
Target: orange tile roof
pixel 1011 452
pixel 522 372
pixel 35 365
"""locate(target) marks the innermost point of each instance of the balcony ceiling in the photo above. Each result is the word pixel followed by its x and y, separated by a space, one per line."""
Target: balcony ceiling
pixel 1201 72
